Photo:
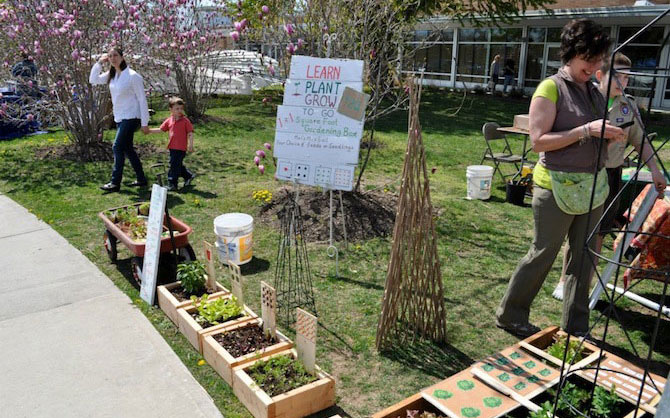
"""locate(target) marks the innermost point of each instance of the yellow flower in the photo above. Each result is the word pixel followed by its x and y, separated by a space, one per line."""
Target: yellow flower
pixel 202 363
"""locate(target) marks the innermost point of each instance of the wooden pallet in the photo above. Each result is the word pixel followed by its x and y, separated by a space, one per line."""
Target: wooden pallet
pixel 169 304
pixel 224 363
pixel 299 402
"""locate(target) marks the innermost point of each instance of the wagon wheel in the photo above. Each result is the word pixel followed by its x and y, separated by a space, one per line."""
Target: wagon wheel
pixel 110 245
pixel 136 268
pixel 187 253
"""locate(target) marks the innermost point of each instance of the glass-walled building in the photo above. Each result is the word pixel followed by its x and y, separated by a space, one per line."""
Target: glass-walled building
pixel 457 56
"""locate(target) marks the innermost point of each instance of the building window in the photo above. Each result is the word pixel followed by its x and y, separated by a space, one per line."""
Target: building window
pixel 643 52
pixel 554 34
pixel 473 35
pixel 536 35
pixel 472 62
pixel 506 34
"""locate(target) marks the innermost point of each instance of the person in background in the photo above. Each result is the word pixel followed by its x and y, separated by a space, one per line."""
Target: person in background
pixel 26 68
pixel 181 139
pixel 131 112
pixel 509 74
pixel 566 132
pixel 620 112
pixel 494 73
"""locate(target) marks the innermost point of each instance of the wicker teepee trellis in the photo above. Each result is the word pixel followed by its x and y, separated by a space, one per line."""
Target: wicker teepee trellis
pixel 413 296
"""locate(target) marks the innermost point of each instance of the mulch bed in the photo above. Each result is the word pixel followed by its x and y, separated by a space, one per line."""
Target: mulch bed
pixel 104 153
pixel 368 215
pixel 245 340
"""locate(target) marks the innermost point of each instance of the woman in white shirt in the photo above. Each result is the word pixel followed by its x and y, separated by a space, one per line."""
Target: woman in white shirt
pixel 130 113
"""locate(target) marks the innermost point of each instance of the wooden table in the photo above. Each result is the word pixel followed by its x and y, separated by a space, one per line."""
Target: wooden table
pixel 525 133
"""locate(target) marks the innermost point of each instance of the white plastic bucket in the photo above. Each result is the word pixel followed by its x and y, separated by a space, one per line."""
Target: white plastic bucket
pixel 234 233
pixel 479 181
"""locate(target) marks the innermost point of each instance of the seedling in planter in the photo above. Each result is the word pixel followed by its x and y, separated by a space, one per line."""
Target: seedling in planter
pixel 192 276
pixel 280 374
pixel 574 355
pixel 138 229
pixel 216 311
pixel 415 413
pixel 144 209
pixel 544 412
pixel 110 215
pixel 605 403
pixel 571 398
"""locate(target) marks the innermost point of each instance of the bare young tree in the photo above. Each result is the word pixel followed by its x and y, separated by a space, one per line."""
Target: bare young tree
pixel 375 31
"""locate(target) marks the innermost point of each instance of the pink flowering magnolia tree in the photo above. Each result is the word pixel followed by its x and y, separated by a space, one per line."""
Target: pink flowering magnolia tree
pixel 181 43
pixel 62 38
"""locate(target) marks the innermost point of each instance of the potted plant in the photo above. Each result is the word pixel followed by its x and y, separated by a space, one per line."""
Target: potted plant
pixel 279 386
pixel 240 344
pixel 207 315
pixel 549 344
pixel 574 401
pixel 191 280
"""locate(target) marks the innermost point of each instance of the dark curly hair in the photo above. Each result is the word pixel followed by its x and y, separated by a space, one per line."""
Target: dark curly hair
pixel 583 37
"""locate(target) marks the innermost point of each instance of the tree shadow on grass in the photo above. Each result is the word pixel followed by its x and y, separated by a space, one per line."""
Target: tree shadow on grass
pixel 329 412
pixel 203 194
pixel 356 282
pixel 438 360
pixel 256 265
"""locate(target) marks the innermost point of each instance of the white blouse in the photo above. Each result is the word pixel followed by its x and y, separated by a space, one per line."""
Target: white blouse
pixel 127 89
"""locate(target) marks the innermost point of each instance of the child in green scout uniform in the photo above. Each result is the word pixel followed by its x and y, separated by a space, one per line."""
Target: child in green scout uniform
pixel 620 113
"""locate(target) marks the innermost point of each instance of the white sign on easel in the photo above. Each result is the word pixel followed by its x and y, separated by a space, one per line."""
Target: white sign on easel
pixel 320 124
pixel 269 309
pixel 305 338
pixel 153 244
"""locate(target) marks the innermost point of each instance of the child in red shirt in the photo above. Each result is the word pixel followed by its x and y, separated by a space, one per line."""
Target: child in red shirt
pixel 181 139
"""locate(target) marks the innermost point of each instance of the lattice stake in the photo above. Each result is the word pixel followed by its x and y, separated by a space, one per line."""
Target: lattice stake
pixel 413 296
pixel 211 270
pixel 269 309
pixel 236 282
pixel 305 339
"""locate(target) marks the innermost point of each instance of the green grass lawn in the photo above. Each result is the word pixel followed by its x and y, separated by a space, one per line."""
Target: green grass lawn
pixel 479 243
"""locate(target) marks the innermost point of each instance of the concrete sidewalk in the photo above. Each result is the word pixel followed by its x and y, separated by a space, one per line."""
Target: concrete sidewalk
pixel 71 343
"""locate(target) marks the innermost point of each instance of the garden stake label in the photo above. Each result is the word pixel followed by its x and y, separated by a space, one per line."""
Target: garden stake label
pixel 153 244
pixel 269 309
pixel 305 339
pixel 236 282
pixel 211 270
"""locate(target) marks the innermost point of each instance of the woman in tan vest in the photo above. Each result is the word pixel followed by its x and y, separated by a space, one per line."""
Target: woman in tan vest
pixel 565 129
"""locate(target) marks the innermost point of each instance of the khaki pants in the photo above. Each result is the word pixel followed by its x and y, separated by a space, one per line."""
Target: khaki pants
pixel 551 226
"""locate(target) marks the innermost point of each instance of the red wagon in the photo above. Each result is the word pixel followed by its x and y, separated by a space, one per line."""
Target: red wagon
pixel 114 233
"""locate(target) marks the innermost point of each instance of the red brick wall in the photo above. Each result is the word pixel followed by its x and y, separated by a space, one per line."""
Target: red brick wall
pixel 581 4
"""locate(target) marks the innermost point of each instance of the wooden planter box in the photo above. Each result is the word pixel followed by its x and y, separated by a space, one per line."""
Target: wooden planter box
pixel 169 304
pixel 195 333
pixel 223 362
pixel 539 342
pixel 299 402
pixel 414 402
